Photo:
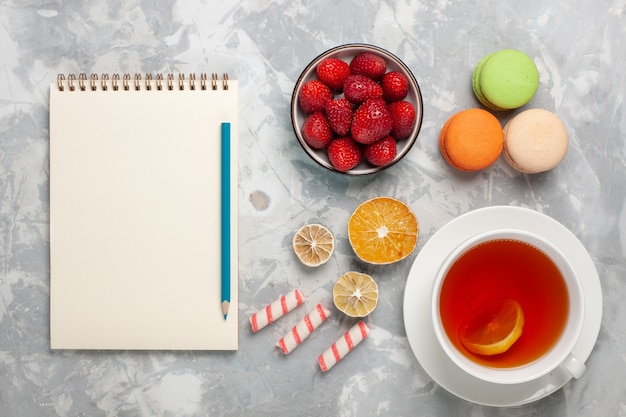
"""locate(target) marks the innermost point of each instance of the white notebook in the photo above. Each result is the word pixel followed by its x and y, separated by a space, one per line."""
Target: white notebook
pixel 135 213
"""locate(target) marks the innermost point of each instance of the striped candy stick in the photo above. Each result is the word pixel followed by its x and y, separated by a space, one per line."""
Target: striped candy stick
pixel 303 329
pixel 276 310
pixel 343 345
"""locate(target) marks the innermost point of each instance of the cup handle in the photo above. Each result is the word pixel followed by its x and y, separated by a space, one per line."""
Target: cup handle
pixel 574 366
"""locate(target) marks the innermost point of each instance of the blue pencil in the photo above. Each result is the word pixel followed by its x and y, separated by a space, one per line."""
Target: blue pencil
pixel 225 233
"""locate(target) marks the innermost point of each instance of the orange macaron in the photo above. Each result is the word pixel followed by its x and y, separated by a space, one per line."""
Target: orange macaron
pixel 471 140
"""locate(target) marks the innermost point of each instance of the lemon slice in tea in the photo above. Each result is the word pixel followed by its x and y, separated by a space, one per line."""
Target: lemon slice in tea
pixel 493 327
pixel 355 294
pixel 383 230
pixel 314 244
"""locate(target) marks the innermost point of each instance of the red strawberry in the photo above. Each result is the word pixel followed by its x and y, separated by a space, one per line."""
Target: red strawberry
pixel 368 64
pixel 381 153
pixel 344 153
pixel 333 72
pixel 395 86
pixel 316 131
pixel 371 121
pixel 313 95
pixel 403 115
pixel 339 114
pixel 359 88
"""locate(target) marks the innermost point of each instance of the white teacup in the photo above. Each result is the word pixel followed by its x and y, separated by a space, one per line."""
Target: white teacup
pixel 558 356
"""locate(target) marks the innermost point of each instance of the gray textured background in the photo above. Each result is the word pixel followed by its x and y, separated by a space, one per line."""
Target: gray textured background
pixel 579 50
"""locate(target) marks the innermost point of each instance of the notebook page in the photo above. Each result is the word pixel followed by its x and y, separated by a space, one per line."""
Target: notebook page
pixel 135 219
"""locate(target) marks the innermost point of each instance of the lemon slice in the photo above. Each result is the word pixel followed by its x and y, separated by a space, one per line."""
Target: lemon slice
pixel 493 327
pixel 355 294
pixel 383 230
pixel 314 244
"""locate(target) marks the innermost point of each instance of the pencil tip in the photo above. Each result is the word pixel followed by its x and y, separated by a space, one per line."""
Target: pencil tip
pixel 225 305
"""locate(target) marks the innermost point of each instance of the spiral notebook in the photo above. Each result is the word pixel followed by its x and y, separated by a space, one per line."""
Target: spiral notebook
pixel 135 212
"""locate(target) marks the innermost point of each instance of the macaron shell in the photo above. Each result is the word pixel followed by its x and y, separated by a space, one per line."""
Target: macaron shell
pixel 507 79
pixel 476 85
pixel 471 140
pixel 442 142
pixel 535 141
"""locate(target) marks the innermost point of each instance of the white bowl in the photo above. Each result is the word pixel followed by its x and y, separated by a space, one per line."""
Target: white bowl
pixel 346 53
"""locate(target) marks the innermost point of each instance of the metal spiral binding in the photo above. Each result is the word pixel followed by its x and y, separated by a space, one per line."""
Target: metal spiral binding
pixel 137 82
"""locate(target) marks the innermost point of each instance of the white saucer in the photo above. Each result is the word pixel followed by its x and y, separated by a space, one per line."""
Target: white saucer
pixel 417 302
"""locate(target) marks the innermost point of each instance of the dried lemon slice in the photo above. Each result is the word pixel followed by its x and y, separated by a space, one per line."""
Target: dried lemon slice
pixel 383 230
pixel 355 294
pixel 493 327
pixel 314 244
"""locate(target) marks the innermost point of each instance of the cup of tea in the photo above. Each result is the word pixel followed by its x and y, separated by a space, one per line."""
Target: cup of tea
pixel 508 307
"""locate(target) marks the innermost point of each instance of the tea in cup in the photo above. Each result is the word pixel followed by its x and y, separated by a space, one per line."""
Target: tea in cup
pixel 508 307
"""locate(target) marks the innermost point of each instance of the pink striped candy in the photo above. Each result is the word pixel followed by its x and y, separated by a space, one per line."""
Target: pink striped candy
pixel 343 345
pixel 276 310
pixel 303 329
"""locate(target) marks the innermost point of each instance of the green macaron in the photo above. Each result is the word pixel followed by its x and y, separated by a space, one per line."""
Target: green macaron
pixel 505 80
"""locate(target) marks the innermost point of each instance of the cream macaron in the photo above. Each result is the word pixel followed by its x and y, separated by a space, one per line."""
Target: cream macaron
pixel 535 140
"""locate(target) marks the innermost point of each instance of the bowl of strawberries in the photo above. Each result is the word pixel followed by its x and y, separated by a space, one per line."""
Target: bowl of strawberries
pixel 356 109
